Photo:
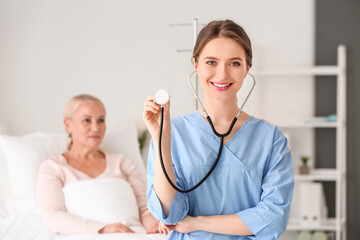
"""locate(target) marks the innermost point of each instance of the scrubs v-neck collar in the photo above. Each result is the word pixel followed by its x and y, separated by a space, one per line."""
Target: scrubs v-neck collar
pixel 204 126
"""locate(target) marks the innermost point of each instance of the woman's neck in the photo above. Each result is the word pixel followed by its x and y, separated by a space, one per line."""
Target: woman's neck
pixel 221 112
pixel 82 154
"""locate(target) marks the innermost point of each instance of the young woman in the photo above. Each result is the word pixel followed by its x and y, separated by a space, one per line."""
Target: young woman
pixel 249 193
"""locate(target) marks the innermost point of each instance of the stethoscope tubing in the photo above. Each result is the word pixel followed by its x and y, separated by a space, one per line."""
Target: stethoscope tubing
pixel 221 136
pixel 163 166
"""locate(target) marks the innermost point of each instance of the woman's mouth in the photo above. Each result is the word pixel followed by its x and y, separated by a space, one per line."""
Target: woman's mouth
pixel 94 136
pixel 221 86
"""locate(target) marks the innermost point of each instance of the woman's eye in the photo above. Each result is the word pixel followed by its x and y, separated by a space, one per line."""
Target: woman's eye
pixel 101 120
pixel 87 120
pixel 235 64
pixel 210 62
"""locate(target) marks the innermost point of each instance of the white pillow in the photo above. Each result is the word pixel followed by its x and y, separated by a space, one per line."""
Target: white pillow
pixel 24 155
pixel 106 200
pixel 4 182
pixel 3 212
pixel 125 140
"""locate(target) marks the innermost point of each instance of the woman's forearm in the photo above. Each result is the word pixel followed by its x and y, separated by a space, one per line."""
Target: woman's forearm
pixel 222 224
pixel 163 189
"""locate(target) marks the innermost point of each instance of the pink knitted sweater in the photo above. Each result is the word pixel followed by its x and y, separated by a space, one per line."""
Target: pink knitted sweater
pixel 55 173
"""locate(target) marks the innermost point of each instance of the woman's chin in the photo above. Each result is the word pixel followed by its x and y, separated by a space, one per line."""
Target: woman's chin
pixel 94 144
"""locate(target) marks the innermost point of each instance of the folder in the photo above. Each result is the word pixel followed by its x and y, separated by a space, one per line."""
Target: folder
pixel 313 210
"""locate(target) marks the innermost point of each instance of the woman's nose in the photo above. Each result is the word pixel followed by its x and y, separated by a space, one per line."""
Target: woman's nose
pixel 221 72
pixel 95 126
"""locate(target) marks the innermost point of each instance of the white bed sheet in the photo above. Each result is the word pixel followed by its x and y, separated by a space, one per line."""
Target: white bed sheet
pixel 19 214
pixel 27 225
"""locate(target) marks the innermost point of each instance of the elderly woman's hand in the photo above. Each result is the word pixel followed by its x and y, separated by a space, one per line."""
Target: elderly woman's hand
pixel 116 228
pixel 150 223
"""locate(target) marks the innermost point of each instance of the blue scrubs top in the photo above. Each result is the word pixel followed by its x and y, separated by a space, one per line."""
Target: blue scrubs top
pixel 253 179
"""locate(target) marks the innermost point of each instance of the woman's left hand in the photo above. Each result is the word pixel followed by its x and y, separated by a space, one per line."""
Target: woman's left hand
pixel 150 223
pixel 186 225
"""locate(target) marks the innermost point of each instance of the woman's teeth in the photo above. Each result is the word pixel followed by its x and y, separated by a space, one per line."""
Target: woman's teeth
pixel 221 85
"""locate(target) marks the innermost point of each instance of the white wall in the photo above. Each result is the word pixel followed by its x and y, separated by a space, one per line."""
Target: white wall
pixel 122 51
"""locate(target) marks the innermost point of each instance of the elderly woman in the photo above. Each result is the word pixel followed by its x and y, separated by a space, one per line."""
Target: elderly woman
pixel 84 120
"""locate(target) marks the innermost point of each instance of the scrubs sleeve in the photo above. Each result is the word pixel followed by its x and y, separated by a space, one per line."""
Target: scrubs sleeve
pixel 180 205
pixel 269 218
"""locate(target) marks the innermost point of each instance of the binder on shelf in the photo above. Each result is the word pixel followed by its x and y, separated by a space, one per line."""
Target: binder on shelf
pixel 313 210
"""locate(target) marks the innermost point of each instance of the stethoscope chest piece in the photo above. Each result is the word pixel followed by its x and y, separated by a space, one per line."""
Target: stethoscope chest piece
pixel 161 97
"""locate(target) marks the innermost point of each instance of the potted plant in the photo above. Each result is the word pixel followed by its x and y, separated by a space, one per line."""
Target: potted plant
pixel 142 138
pixel 304 168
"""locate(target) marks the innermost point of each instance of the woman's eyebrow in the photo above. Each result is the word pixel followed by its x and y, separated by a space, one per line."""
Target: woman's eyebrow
pixel 233 58
pixel 85 115
pixel 236 58
pixel 211 58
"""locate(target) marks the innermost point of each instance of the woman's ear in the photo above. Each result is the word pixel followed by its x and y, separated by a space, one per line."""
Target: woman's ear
pixel 67 125
pixel 194 63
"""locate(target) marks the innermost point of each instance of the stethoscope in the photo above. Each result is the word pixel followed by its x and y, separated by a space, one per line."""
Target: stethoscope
pixel 161 97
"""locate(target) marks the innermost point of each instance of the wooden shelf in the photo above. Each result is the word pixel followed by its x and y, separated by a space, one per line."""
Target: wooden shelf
pixel 311 71
pixel 328 224
pixel 315 122
pixel 308 125
pixel 318 175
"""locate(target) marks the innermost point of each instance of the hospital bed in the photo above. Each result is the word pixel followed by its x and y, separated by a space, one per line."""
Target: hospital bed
pixel 20 158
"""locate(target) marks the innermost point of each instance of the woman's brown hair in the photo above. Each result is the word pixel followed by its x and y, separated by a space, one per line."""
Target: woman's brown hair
pixel 226 29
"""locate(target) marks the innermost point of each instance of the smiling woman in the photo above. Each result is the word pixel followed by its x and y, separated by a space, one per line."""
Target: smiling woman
pixel 250 190
pixel 85 173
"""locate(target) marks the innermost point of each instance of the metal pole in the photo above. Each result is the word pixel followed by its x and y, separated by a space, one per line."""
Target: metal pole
pixel 195 33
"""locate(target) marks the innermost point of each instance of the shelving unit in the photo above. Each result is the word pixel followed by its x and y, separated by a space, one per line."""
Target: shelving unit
pixel 338 174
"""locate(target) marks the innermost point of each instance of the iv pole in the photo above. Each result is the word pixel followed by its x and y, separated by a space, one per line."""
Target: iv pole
pixel 195 26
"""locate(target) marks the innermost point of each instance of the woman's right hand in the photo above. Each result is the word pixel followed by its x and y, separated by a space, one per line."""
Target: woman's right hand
pixel 151 116
pixel 116 228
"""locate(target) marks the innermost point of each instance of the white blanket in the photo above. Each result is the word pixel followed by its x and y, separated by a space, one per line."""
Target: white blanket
pixel 108 200
pixel 27 225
